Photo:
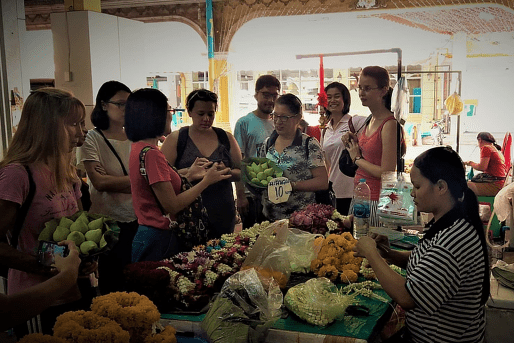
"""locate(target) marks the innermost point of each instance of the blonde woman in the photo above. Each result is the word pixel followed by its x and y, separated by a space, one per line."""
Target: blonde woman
pixel 50 127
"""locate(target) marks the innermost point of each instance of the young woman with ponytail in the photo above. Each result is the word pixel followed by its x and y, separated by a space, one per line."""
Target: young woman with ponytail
pixel 374 149
pixel 447 280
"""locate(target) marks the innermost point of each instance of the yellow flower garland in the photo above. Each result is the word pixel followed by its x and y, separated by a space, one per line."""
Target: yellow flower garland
pixel 88 327
pixel 135 313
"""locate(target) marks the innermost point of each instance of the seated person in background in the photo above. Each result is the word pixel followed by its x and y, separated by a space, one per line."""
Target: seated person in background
pixel 298 155
pixel 491 163
pixel 19 307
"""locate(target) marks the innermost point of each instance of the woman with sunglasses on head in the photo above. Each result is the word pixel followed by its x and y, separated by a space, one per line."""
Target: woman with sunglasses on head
pixel 38 162
pixel 492 164
pixel 447 280
pixel 374 148
pixel 159 193
pixel 298 155
pixel 207 143
pixel 105 155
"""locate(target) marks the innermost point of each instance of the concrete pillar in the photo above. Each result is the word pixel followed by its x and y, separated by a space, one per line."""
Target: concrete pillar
pixel 459 63
pixel 221 87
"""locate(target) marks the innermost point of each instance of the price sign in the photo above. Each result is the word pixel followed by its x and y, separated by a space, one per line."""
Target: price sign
pixel 279 190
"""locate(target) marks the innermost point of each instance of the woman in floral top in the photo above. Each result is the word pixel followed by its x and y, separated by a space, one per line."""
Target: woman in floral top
pixel 298 155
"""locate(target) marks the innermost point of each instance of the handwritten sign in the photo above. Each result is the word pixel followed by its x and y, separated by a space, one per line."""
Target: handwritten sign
pixel 279 190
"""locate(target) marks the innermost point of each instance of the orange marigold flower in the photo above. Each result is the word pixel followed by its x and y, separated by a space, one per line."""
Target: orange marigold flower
pixel 83 327
pixel 330 272
pixel 353 267
pixel 348 276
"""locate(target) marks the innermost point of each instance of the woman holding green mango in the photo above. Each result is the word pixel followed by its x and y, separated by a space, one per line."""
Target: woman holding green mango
pixel 297 154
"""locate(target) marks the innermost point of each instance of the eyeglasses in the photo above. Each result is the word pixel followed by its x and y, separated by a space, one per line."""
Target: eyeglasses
pixel 203 94
pixel 367 89
pixel 282 119
pixel 269 96
pixel 120 105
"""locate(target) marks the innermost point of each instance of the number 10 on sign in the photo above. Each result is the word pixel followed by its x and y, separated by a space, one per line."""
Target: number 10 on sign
pixel 279 190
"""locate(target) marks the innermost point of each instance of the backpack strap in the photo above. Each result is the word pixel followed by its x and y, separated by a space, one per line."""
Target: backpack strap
pixel 271 140
pixel 183 135
pixel 142 171
pixel 222 137
pixel 113 150
pixel 24 209
pixel 307 147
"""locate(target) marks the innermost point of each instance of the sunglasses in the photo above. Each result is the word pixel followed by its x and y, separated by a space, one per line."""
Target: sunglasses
pixel 202 94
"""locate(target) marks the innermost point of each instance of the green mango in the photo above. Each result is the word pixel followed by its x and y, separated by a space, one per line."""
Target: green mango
pixel 83 217
pixel 269 172
pixel 256 169
pixel 79 225
pixel 253 165
pixel 94 235
pixel 65 222
pixel 87 246
pixel 261 176
pixel 96 224
pixel 269 178
pixel 103 242
pixel 60 233
pixel 48 232
pixel 252 174
pixel 264 166
pixel 77 237
pixel 256 180
pixel 264 182
pixel 279 174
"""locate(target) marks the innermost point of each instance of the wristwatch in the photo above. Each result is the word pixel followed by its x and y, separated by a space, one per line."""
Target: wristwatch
pixel 357 158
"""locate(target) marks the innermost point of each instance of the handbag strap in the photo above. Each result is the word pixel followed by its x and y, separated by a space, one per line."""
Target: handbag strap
pixel 113 150
pixel 22 213
pixel 142 171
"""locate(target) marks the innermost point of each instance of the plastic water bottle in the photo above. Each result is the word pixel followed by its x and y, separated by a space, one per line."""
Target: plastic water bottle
pixel 361 209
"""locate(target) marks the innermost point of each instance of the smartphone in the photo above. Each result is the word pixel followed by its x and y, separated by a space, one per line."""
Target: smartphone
pixel 403 245
pixel 48 250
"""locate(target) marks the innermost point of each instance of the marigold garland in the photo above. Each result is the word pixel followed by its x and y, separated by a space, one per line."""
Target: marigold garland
pixel 40 338
pixel 135 313
pixel 88 327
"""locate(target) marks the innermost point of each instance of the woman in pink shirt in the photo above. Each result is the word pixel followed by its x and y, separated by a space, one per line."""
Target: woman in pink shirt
pixel 374 149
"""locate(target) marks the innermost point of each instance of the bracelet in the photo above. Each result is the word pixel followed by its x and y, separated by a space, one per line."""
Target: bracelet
pixel 357 158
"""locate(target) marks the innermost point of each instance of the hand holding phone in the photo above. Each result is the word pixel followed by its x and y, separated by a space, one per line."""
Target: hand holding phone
pixel 48 250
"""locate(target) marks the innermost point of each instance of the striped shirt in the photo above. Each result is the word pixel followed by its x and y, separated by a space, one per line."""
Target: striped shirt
pixel 444 277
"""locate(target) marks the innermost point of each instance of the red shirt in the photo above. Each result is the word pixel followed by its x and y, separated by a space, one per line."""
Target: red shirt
pixel 371 149
pixel 496 166
pixel 146 207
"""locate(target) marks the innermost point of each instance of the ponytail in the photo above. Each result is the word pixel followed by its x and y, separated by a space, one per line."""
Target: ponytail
pixel 388 98
pixel 469 208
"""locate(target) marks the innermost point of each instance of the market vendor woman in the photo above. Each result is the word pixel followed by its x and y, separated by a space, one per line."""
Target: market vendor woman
pixel 447 282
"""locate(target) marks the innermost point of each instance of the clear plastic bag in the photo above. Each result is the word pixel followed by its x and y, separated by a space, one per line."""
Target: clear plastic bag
pixel 243 311
pixel 270 254
pixel 395 205
pixel 317 301
pixel 302 250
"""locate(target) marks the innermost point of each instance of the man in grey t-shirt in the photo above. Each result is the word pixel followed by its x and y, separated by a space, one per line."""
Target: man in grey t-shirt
pixel 250 132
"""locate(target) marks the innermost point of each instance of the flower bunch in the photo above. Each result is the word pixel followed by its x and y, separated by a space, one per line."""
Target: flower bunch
pixel 135 313
pixel 320 219
pixel 88 327
pixel 336 259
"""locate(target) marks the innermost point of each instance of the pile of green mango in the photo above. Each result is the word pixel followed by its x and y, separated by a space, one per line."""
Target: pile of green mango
pixel 260 174
pixel 87 234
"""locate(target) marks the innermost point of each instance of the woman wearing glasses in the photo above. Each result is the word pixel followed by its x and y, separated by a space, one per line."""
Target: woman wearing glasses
pixel 298 155
pixel 203 142
pixel 105 155
pixel 374 148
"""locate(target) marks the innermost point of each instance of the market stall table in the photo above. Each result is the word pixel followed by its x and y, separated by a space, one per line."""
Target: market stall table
pixel 292 329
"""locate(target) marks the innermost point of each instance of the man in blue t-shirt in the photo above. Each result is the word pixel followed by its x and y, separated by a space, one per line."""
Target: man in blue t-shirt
pixel 250 132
